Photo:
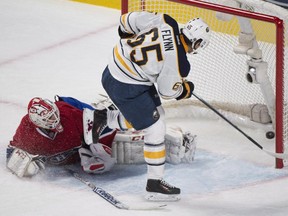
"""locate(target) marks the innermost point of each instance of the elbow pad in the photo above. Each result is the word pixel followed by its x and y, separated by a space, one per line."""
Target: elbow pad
pixel 124 35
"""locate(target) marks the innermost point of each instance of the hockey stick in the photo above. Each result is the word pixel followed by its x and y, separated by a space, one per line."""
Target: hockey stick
pixel 108 197
pixel 101 192
pixel 277 155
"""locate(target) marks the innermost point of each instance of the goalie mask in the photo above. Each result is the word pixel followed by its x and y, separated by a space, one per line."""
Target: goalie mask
pixel 197 34
pixel 44 114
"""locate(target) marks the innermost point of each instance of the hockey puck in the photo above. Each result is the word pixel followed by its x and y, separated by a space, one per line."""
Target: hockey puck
pixel 270 135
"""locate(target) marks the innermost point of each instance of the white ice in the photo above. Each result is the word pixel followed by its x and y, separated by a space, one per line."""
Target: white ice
pixel 61 47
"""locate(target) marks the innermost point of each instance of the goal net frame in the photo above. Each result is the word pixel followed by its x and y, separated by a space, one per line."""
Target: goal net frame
pixel 279 65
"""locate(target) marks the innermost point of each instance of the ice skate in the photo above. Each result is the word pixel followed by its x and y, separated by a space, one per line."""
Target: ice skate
pixel 159 190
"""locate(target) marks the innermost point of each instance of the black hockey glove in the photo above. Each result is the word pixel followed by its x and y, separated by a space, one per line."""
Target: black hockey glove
pixel 124 35
pixel 188 88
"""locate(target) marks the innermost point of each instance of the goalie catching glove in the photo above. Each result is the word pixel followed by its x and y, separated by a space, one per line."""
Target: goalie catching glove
pixel 97 159
pixel 22 163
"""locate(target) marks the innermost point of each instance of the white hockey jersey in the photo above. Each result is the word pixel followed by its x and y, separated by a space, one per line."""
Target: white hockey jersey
pixel 154 54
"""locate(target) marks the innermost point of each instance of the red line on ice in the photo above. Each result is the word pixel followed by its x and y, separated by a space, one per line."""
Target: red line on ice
pixel 53 46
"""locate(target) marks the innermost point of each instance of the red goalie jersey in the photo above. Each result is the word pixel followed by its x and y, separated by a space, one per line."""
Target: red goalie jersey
pixel 59 146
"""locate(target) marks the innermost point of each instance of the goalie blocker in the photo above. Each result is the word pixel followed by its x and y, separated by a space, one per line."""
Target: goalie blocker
pixel 127 147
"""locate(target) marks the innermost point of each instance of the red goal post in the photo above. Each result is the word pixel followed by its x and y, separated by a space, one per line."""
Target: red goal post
pixel 220 78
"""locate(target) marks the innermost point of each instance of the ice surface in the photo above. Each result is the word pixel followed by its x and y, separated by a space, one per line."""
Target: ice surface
pixel 61 47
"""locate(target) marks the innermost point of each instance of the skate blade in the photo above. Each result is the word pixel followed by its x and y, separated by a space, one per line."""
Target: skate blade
pixel 158 197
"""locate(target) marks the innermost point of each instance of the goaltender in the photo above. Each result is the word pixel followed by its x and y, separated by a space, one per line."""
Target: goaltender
pixel 69 131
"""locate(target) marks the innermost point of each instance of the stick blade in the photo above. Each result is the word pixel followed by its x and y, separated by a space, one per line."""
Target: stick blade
pixel 276 155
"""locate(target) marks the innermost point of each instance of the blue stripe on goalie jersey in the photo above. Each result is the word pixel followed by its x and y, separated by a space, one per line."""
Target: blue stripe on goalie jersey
pixel 127 73
pixel 184 66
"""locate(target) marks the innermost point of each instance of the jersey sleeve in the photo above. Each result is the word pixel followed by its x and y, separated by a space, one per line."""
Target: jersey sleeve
pixel 177 66
pixel 25 136
pixel 134 22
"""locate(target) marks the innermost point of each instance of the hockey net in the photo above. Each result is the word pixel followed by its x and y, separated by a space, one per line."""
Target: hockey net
pixel 221 72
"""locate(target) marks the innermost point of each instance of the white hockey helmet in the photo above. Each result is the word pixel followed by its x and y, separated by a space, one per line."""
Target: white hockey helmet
pixel 45 114
pixel 197 32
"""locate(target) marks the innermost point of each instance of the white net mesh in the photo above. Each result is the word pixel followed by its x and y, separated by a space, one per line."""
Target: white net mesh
pixel 218 73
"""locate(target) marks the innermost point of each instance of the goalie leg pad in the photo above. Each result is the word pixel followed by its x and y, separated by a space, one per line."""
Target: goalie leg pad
pixel 180 147
pixel 127 147
pixel 190 142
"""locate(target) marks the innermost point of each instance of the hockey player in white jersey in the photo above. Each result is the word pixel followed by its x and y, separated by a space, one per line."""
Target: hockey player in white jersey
pixel 150 61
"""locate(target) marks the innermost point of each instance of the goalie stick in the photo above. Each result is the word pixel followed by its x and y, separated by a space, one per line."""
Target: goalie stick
pixel 108 197
pixel 276 155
